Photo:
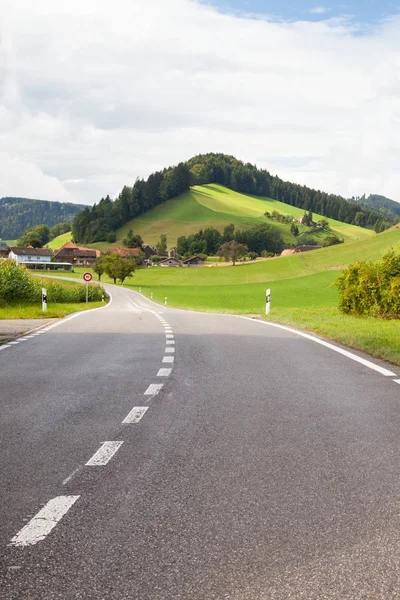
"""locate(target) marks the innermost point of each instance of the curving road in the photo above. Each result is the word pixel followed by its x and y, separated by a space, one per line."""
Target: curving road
pixel 156 454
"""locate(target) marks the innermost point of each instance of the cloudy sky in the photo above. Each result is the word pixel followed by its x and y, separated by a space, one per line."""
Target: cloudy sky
pixel 94 93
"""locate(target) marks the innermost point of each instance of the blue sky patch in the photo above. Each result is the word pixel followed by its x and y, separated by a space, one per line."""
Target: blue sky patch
pixel 367 12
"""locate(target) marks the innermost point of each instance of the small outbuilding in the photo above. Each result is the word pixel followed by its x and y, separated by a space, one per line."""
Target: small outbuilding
pixel 194 261
pixel 170 262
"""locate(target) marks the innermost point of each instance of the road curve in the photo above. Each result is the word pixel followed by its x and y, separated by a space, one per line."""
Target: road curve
pixel 148 453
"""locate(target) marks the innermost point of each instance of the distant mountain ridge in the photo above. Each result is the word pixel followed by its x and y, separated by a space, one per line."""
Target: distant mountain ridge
pixel 381 203
pixel 18 214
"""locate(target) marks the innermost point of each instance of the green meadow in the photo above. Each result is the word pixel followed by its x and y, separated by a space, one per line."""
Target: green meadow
pixel 217 206
pixel 59 241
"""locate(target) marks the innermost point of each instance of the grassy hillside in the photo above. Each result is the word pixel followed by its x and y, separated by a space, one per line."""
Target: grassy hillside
pixel 59 241
pixel 216 206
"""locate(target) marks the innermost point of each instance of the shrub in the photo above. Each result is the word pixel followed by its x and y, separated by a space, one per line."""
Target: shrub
pixel 331 240
pixel 372 288
pixel 15 282
pixel 111 237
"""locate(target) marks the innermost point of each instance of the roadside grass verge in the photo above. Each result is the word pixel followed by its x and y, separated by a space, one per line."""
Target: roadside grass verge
pixel 25 310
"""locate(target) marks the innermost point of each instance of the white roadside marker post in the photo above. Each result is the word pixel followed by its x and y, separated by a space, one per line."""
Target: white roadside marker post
pixel 165 301
pixel 140 290
pixel 44 300
pixel 268 302
pixel 87 277
pixel 151 295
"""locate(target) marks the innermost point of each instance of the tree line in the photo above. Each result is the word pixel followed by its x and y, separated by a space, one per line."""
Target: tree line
pixel 100 222
pixel 19 214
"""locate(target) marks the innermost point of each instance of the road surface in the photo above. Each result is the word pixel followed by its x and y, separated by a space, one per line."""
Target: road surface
pixel 155 454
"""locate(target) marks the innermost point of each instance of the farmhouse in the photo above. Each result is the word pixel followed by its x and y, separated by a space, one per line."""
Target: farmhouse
pixel 149 251
pixel 75 255
pixel 30 255
pixel 170 262
pixel 193 261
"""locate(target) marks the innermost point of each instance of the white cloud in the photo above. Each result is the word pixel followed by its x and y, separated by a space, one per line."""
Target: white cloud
pixel 96 93
pixel 319 10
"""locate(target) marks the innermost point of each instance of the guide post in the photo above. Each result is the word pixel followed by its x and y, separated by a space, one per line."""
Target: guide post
pixel 87 277
pixel 44 300
pixel 268 302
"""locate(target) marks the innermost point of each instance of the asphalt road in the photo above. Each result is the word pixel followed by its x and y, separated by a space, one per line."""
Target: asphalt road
pixel 265 468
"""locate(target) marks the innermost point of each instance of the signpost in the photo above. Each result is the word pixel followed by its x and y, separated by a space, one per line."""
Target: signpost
pixel 268 302
pixel 44 300
pixel 87 277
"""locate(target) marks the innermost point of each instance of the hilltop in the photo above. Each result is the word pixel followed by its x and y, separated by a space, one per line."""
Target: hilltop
pixel 105 218
pixel 214 205
pixel 19 214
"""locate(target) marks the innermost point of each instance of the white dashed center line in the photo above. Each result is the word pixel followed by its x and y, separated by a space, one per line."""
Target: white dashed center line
pixel 396 380
pixel 104 454
pixel 169 336
pixel 164 372
pixel 136 414
pixel 169 350
pixel 169 342
pixel 153 389
pixel 42 524
pixel 168 359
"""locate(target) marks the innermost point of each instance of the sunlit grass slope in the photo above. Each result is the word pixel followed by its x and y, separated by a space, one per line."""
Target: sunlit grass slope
pixel 60 240
pixel 216 206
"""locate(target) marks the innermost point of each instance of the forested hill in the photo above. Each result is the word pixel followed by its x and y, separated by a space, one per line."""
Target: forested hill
pixel 381 203
pixel 96 224
pixel 18 214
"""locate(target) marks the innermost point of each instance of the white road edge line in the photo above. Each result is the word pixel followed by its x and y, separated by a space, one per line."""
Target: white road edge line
pixel 346 353
pixel 136 414
pixel 43 523
pixel 153 389
pixel 104 454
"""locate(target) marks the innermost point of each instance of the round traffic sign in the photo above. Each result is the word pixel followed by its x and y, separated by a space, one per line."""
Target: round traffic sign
pixel 87 276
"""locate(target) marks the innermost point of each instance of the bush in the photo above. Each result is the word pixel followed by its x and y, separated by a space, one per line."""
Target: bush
pixel 15 282
pixel 111 237
pixel 372 288
pixel 331 240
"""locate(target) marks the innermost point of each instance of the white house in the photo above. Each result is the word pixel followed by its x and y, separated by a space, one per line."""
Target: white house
pixel 30 255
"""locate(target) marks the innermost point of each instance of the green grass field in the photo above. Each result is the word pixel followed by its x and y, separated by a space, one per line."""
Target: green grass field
pixel 216 206
pixel 59 241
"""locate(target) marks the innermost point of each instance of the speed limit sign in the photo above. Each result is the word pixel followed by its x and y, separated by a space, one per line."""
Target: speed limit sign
pixel 87 277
